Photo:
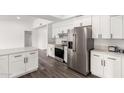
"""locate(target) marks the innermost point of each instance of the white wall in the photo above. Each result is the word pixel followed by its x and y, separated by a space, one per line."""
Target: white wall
pixel 43 37
pixel 35 38
pixel 103 44
pixel 12 34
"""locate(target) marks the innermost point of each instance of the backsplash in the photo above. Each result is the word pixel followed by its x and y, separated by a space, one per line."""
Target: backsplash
pixel 103 44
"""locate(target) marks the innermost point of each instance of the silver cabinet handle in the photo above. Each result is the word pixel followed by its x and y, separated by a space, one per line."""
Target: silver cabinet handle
pixel 32 53
pixel 101 62
pixel 111 36
pixel 101 35
pixel 25 60
pixel 104 63
pixel 18 56
pixel 111 58
pixel 98 35
pixel 96 55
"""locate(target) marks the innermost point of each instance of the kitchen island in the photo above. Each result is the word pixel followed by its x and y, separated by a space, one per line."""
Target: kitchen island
pixel 17 62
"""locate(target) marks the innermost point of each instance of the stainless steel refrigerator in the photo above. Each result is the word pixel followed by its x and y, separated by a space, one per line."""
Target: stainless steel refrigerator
pixel 80 43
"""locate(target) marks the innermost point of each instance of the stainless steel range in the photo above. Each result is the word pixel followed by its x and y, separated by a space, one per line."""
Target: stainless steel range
pixel 59 53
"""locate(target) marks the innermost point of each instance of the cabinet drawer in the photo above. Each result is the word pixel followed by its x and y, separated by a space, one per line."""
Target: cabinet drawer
pixel 32 54
pixel 113 58
pixel 3 66
pixel 16 57
pixel 3 58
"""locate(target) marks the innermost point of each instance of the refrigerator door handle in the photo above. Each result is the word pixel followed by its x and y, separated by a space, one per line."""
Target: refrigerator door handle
pixel 73 47
pixel 75 42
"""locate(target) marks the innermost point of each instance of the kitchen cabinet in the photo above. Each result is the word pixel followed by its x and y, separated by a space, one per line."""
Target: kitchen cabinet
pixel 96 27
pixel 51 50
pixel 123 66
pixel 101 27
pixel 96 64
pixel 16 64
pixel 65 54
pixel 117 27
pixel 3 66
pixel 31 59
pixel 22 62
pixel 105 26
pixel 104 65
pixel 112 67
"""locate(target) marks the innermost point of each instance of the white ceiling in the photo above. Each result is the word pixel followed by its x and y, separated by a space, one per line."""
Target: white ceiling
pixel 29 19
pixel 64 16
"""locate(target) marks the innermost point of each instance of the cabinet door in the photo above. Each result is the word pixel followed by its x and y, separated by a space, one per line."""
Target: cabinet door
pixel 105 26
pixel 16 65
pixel 96 64
pixel 49 51
pixel 3 66
pixel 122 66
pixel 96 26
pixel 31 61
pixel 112 67
pixel 116 27
pixel 65 54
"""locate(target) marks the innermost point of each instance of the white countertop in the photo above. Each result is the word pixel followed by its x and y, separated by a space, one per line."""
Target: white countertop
pixel 16 50
pixel 107 52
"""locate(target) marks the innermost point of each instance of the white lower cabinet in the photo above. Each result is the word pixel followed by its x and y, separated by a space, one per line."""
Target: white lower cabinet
pixel 51 50
pixel 96 65
pixel 65 54
pixel 112 67
pixel 31 60
pixel 22 63
pixel 123 66
pixel 3 66
pixel 16 64
pixel 104 65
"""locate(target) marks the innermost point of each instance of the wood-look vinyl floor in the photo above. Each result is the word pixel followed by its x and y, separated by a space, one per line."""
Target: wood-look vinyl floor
pixel 51 68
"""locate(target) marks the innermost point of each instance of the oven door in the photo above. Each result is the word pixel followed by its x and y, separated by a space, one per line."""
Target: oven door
pixel 59 53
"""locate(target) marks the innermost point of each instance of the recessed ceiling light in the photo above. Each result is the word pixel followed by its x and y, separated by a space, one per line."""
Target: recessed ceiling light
pixel 18 17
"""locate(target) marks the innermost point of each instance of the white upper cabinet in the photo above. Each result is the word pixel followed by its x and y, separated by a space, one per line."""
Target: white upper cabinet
pixel 105 26
pixel 101 26
pixel 95 26
pixel 117 27
pixel 69 24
